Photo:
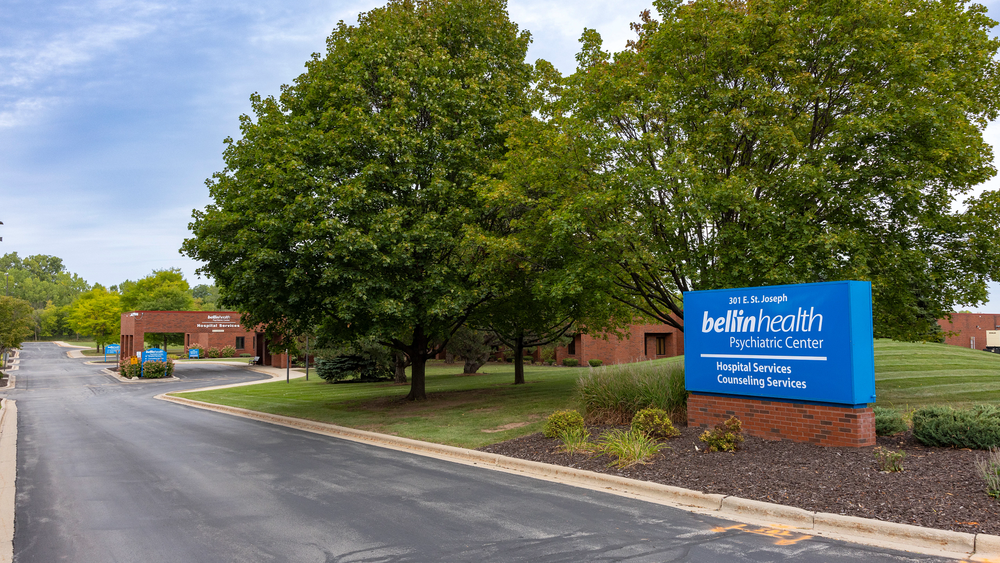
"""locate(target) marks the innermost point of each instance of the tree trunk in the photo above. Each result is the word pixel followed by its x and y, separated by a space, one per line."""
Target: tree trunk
pixel 418 365
pixel 401 363
pixel 519 359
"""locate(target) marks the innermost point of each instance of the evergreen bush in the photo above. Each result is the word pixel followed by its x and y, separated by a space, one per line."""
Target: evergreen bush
pixel 889 421
pixel 571 362
pixel 595 363
pixel 977 427
pixel 725 437
pixel 654 423
pixel 562 422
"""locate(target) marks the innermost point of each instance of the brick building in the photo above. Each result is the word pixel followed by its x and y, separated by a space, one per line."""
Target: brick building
pixel 208 329
pixel 969 329
pixel 640 342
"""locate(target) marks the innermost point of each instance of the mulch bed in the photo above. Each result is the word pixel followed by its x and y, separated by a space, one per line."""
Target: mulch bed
pixel 938 487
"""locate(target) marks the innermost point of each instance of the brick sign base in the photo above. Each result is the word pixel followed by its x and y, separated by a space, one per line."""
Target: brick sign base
pixel 776 420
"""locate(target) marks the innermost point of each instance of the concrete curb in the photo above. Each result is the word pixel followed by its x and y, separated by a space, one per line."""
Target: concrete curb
pixel 8 477
pixel 977 547
pixel 115 375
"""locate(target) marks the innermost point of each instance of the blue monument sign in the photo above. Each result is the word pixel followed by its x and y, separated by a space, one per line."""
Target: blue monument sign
pixel 802 343
pixel 154 355
pixel 112 348
pixel 194 353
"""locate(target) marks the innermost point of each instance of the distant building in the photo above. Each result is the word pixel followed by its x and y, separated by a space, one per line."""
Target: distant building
pixel 969 329
pixel 641 342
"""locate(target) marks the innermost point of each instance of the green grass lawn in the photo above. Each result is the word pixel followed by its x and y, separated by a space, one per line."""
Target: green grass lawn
pixel 467 411
pixel 473 411
pixel 915 375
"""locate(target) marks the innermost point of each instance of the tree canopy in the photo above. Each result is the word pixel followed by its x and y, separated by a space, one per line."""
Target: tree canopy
pixel 348 198
pixel 162 290
pixel 39 279
pixel 16 322
pixel 763 142
pixel 97 313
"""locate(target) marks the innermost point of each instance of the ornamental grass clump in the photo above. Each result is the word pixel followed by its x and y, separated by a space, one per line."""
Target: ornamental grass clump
pixel 562 422
pixel 627 447
pixel 614 394
pixel 576 440
pixel 888 421
pixel 989 470
pixel 654 423
pixel 977 427
pixel 889 461
pixel 725 437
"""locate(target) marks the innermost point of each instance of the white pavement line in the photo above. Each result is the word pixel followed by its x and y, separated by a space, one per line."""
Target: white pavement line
pixel 981 547
pixel 8 477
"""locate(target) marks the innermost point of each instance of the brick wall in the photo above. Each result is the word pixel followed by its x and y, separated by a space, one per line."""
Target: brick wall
pixel 637 344
pixel 198 327
pixel 969 326
pixel 776 420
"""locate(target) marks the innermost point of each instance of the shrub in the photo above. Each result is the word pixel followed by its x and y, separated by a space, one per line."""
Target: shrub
pixel 977 427
pixel 627 447
pixel 654 423
pixel 576 440
pixel 245 355
pixel 561 422
pixel 228 351
pixel 528 359
pixel 725 437
pixel 128 370
pixel 353 366
pixel 157 370
pixel 594 363
pixel 212 353
pixel 571 362
pixel 614 394
pixel 989 469
pixel 888 460
pixel 889 421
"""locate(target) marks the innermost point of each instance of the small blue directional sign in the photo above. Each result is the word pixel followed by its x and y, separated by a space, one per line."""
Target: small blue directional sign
pixel 807 342
pixel 194 353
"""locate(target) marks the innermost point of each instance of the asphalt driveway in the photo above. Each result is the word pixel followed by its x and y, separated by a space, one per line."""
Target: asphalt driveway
pixel 107 474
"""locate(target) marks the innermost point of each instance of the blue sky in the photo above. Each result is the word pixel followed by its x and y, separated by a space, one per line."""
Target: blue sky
pixel 112 113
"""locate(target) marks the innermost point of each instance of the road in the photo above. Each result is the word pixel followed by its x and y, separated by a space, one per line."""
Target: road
pixel 107 474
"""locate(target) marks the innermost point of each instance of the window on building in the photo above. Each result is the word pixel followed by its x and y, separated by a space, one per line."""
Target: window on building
pixel 240 342
pixel 661 345
pixel 571 347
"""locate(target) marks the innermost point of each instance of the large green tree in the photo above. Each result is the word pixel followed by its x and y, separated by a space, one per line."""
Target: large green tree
pixel 162 290
pixel 39 279
pixel 16 323
pixel 97 313
pixel 761 142
pixel 348 198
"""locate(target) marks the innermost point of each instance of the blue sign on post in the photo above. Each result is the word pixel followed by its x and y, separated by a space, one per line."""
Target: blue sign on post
pixel 801 343
pixel 111 349
pixel 152 355
pixel 194 353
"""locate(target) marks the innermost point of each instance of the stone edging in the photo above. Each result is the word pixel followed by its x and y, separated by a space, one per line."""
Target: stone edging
pixel 8 477
pixel 905 537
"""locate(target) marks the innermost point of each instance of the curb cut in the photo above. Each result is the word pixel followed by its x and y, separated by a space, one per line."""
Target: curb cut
pixel 890 535
pixel 8 477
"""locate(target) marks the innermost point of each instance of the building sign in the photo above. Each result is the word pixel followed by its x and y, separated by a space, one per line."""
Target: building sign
pixel 218 321
pixel 154 355
pixel 806 342
pixel 194 353
pixel 112 348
